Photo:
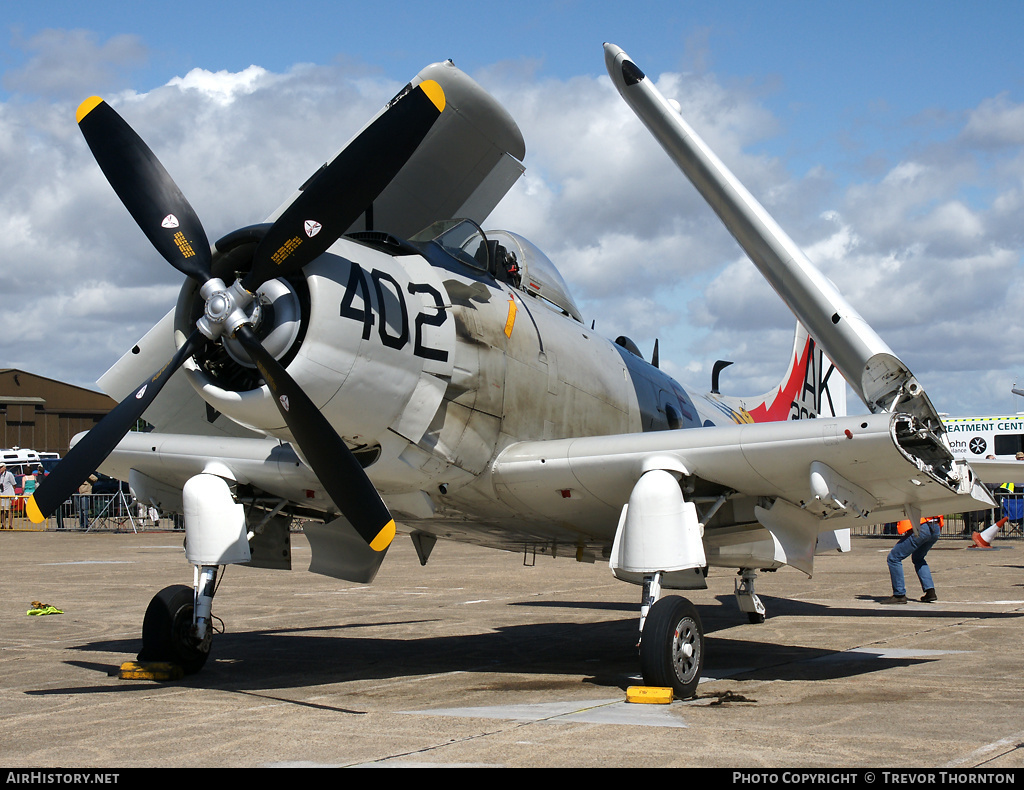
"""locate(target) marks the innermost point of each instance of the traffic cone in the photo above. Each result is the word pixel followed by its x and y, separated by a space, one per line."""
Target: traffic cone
pixel 983 539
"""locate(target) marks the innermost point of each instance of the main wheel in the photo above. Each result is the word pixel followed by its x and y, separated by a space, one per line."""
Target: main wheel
pixel 167 630
pixel 672 646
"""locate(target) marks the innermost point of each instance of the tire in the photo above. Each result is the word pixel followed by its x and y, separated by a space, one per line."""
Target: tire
pixel 672 646
pixel 166 630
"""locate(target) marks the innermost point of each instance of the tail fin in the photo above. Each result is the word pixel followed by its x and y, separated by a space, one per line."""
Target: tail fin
pixel 812 387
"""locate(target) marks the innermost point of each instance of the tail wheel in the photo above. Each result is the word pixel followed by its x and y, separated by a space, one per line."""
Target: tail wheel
pixel 672 646
pixel 167 630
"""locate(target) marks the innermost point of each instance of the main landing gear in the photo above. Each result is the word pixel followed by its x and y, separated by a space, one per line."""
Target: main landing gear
pixel 178 625
pixel 659 542
pixel 671 641
pixel 672 636
pixel 672 646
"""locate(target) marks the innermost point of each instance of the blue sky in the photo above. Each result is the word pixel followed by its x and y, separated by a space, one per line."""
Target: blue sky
pixel 816 63
pixel 885 137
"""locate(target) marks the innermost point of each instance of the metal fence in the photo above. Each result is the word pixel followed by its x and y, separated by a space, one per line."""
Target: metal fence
pixel 88 513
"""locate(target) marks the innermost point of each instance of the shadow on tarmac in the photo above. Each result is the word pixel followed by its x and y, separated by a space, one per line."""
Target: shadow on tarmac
pixel 265 660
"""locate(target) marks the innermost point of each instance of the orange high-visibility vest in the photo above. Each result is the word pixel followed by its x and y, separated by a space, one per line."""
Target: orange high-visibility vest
pixel 903 527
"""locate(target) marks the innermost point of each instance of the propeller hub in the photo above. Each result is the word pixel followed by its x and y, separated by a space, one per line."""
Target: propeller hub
pixel 225 308
pixel 218 307
pixel 340 193
pixel 276 316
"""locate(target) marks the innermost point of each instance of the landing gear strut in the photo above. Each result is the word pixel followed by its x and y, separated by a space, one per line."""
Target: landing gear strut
pixel 659 543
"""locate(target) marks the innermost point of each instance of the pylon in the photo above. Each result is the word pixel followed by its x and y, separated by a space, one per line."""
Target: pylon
pixel 983 539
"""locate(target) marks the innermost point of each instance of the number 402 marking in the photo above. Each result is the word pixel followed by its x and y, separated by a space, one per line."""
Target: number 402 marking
pixel 386 286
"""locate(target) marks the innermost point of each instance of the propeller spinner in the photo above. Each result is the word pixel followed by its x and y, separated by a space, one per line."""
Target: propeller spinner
pixel 332 200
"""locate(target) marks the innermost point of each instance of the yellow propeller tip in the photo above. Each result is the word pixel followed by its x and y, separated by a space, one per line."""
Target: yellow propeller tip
pixel 434 92
pixel 384 537
pixel 87 107
pixel 33 511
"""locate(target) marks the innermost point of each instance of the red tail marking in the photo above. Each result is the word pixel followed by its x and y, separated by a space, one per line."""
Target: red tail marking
pixel 780 406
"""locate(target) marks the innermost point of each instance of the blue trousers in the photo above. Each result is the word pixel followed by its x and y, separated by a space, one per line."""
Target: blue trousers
pixel 916 546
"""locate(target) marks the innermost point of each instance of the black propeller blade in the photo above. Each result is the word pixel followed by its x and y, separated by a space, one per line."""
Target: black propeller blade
pixel 344 188
pixel 329 457
pixel 85 457
pixel 146 189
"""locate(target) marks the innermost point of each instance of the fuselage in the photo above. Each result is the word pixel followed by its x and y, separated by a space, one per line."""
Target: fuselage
pixel 430 363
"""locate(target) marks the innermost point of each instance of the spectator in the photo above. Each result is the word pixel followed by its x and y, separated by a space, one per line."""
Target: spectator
pixel 29 482
pixel 6 498
pixel 83 499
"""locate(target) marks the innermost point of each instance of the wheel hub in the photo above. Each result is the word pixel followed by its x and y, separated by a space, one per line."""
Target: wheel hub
pixel 683 650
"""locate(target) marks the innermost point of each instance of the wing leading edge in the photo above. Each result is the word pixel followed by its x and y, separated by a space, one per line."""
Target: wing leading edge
pixel 764 492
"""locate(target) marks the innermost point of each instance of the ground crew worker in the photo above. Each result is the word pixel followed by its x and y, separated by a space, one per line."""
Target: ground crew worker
pixel 913 543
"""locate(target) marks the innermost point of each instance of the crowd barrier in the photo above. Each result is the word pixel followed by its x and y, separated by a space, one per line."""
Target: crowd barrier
pixel 89 512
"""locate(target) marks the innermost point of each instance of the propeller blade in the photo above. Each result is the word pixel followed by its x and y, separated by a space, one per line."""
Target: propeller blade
pixel 329 457
pixel 146 189
pixel 83 459
pixel 344 188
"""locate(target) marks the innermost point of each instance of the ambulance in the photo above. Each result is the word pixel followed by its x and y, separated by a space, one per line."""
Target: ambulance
pixel 20 462
pixel 975 438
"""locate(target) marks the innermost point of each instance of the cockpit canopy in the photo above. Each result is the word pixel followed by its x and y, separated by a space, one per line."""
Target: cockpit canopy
pixel 507 256
pixel 540 277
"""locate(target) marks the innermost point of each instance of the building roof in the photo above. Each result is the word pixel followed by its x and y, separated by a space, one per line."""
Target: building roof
pixel 22 387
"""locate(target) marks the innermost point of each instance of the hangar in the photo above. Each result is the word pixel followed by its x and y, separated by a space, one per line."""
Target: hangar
pixel 43 414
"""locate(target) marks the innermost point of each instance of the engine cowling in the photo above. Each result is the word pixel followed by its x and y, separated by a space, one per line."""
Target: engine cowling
pixel 365 334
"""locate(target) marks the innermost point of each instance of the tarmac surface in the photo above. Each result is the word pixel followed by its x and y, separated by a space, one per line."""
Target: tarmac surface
pixel 476 660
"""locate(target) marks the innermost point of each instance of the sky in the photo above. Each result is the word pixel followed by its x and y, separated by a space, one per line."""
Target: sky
pixel 886 138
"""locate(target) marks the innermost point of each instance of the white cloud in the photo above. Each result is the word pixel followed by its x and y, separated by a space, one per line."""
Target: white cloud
pixel 223 87
pixel 996 122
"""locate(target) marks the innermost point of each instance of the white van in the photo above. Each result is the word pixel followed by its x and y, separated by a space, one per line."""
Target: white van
pixel 20 462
